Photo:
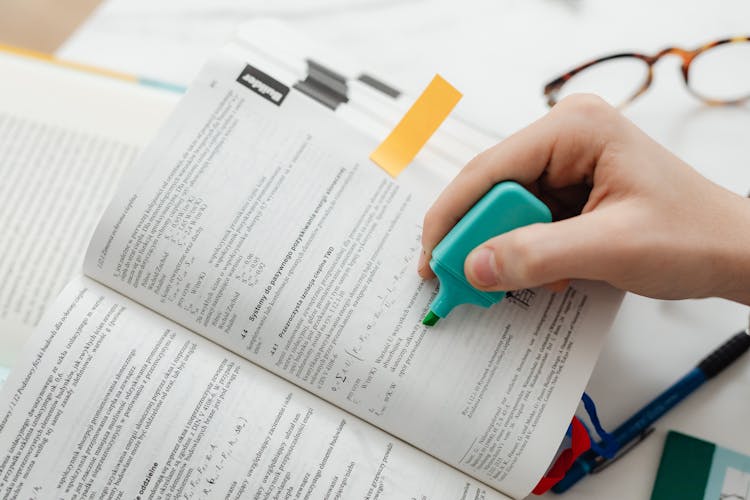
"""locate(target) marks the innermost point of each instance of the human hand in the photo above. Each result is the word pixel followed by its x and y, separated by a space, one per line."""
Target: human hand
pixel 626 211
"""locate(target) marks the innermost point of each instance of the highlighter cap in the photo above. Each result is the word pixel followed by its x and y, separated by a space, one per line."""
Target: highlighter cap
pixel 505 207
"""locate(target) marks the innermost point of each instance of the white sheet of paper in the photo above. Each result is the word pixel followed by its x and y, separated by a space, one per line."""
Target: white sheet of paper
pixel 4 372
pixel 66 136
pixel 113 400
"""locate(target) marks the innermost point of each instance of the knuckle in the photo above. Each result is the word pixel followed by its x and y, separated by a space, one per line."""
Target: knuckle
pixel 475 163
pixel 430 218
pixel 527 262
pixel 429 226
pixel 587 106
pixel 585 116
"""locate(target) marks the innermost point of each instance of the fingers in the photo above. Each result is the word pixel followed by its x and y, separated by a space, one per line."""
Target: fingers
pixel 544 254
pixel 521 157
pixel 563 145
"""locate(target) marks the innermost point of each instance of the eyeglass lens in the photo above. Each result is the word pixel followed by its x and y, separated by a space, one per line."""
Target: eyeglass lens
pixel 722 73
pixel 614 80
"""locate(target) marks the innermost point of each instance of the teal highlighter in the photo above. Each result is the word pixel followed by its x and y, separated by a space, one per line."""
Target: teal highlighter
pixel 505 207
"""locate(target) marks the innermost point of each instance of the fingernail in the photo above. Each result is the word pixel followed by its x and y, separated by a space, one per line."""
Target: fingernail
pixel 483 267
pixel 422 261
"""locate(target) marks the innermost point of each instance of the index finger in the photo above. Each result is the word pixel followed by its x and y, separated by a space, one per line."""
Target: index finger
pixel 560 143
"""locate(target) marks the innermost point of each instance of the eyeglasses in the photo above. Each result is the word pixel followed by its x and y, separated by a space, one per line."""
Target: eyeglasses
pixel 716 73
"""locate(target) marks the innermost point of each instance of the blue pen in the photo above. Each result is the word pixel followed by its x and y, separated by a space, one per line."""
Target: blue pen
pixel 636 426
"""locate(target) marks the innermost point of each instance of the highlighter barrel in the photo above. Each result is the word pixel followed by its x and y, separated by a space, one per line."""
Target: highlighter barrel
pixel 505 207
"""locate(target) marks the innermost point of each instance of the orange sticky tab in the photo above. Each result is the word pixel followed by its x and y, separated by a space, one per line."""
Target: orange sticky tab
pixel 417 125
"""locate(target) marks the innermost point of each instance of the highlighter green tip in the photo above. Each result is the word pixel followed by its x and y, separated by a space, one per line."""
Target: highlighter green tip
pixel 430 319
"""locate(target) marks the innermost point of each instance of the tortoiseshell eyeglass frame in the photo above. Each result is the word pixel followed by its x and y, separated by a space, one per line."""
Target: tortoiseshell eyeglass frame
pixel 552 89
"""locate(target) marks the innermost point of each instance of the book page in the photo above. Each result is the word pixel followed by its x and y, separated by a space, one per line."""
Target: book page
pixel 65 139
pixel 112 400
pixel 265 228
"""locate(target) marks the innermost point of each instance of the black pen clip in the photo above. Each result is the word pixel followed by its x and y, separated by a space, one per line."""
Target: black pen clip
pixel 602 463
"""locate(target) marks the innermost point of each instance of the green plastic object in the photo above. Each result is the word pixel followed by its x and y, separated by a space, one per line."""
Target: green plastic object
pixel 505 207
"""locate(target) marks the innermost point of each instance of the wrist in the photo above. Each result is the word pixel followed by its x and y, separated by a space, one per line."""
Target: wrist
pixel 734 254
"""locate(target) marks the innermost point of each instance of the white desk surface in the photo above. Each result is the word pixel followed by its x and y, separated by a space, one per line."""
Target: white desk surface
pixel 499 53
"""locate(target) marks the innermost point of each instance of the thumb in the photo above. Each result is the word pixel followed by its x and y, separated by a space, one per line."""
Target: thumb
pixel 540 254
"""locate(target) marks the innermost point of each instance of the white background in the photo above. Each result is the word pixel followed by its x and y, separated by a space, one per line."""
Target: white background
pixel 499 53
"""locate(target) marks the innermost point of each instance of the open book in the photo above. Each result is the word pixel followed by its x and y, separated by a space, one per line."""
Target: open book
pixel 66 136
pixel 248 326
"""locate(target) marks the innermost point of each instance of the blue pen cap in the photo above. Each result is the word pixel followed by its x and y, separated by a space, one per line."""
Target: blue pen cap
pixel 505 207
